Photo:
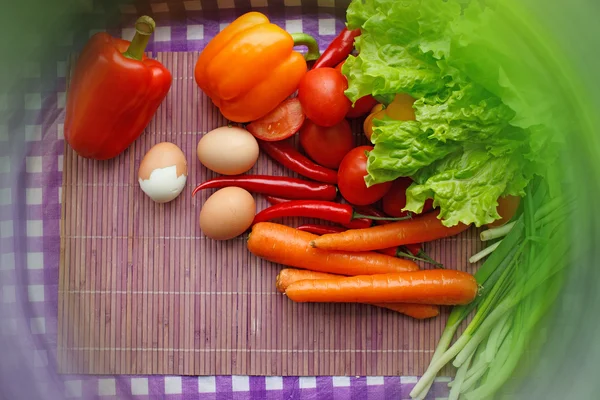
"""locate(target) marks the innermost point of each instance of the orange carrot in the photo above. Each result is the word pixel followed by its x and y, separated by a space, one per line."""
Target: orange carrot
pixel 417 311
pixel 288 246
pixel 441 287
pixel 287 276
pixel 424 228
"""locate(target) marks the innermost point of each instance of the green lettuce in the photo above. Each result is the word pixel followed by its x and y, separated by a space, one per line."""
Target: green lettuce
pixel 482 128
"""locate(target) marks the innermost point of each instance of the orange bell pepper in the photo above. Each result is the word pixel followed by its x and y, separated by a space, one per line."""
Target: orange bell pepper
pixel 250 67
pixel 400 109
pixel 114 93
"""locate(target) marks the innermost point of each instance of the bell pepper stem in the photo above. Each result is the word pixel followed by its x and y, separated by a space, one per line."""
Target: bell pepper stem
pixel 144 27
pixel 303 39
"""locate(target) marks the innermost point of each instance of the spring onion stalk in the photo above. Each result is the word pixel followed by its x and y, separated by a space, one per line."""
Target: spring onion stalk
pixel 484 253
pixel 502 357
pixel 496 338
pixel 495 233
pixel 478 370
pixel 459 379
pixel 443 345
pixel 445 353
pixel 478 363
pixel 514 295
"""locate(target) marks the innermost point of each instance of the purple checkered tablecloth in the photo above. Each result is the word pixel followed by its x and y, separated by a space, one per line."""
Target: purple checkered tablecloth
pixel 31 163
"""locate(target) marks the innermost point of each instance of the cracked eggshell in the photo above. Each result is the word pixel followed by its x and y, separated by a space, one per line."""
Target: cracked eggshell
pixel 163 172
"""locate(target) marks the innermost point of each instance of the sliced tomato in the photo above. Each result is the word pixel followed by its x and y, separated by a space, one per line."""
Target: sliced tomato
pixel 281 123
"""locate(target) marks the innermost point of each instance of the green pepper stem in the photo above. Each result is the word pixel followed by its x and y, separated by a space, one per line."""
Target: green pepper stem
pixel 144 27
pixel 303 39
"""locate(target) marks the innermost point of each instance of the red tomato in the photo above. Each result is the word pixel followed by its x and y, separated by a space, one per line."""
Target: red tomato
pixel 351 179
pixel 326 146
pixel 507 207
pixel 279 124
pixel 395 199
pixel 363 105
pixel 321 93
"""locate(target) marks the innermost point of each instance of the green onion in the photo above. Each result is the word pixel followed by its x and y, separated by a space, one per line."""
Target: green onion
pixel 519 282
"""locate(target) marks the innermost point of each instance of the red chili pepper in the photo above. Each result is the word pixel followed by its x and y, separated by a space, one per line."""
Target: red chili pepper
pixel 284 153
pixel 272 200
pixel 321 229
pixel 338 49
pixel 279 186
pixel 114 93
pixel 342 214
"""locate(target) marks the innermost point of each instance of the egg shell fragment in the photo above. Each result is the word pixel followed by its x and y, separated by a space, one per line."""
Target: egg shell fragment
pixel 163 171
pixel 228 150
pixel 227 213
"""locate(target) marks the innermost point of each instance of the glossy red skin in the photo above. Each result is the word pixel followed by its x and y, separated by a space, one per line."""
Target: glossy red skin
pixel 321 93
pixel 281 123
pixel 351 182
pixel 111 98
pixel 362 107
pixel 327 146
pixel 395 199
pixel 286 154
pixel 327 210
pixel 339 49
pixel 321 229
pixel 277 186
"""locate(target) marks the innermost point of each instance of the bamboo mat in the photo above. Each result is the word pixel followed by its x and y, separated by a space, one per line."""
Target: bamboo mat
pixel 142 291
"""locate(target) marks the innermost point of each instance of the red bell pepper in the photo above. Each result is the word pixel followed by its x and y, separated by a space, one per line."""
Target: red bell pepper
pixel 114 92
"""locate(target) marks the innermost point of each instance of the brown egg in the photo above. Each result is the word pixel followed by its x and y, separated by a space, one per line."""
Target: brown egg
pixel 163 172
pixel 228 150
pixel 227 213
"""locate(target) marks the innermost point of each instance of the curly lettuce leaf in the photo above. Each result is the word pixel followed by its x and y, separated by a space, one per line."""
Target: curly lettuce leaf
pixel 483 127
pixel 401 148
pixel 466 186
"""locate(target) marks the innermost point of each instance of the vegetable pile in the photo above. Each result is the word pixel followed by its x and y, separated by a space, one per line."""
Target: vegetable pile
pixel 470 121
pixel 454 143
pixel 459 136
pixel 331 164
